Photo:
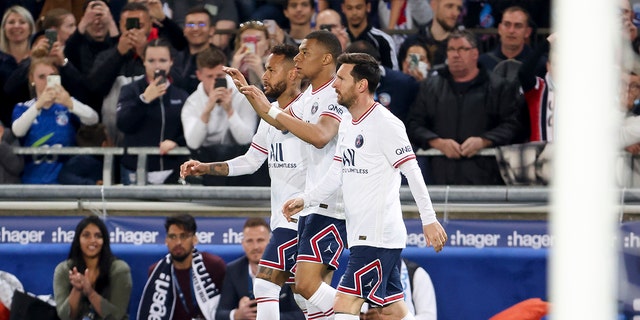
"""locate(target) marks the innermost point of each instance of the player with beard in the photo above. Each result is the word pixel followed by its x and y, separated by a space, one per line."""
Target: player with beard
pixel 315 118
pixel 180 303
pixel 373 148
pixel 287 170
pixel 435 33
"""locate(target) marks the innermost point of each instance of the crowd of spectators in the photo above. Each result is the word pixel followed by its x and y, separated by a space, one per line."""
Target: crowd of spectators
pixel 150 72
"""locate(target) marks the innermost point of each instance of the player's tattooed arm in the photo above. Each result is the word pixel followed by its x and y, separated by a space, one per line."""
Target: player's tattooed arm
pixel 219 169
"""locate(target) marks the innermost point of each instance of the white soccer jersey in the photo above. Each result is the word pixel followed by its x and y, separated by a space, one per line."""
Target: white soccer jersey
pixel 287 169
pixel 371 149
pixel 309 108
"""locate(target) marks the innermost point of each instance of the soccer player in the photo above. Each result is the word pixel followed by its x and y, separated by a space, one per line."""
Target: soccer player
pixel 287 171
pixel 372 149
pixel 314 118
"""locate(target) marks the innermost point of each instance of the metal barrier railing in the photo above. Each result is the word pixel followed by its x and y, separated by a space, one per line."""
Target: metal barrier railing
pixel 144 152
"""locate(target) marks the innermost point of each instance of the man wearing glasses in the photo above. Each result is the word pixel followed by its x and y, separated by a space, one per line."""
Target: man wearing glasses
pixel 460 111
pixel 170 292
pixel 197 30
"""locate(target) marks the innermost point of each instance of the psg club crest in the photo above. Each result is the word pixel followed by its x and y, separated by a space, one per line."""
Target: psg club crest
pixel 314 108
pixel 359 141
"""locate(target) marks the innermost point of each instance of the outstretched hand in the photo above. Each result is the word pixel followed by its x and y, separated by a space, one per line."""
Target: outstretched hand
pixel 235 74
pixel 193 168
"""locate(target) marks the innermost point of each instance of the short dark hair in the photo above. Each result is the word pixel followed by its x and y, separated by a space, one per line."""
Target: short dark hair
pixel 311 2
pixel 460 34
pixel 284 49
pixel 134 6
pixel 364 67
pixel 91 136
pixel 521 9
pixel 328 40
pixel 200 9
pixel 184 220
pixel 210 57
pixel 362 46
pixel 255 222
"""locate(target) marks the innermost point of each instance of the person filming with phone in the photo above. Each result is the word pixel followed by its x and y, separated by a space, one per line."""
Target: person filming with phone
pixel 148 114
pixel 218 121
pixel 252 48
pixel 48 120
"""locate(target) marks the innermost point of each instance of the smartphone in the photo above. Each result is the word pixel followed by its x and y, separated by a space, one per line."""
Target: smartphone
pixel 160 74
pixel 414 60
pixel 220 83
pixel 132 23
pixel 53 80
pixel 326 27
pixel 52 36
pixel 271 25
pixel 250 42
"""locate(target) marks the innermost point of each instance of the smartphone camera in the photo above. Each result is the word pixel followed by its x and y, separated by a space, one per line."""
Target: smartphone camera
pixel 53 80
pixel 220 83
pixel 251 43
pixel 414 60
pixel 132 23
pixel 52 36
pixel 160 74
pixel 326 27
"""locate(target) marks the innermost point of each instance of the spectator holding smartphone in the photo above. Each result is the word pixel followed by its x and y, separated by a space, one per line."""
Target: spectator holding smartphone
pixel 148 114
pixel 48 120
pixel 416 64
pixel 218 121
pixel 251 51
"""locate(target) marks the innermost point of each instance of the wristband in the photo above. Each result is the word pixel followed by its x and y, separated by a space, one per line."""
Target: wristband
pixel 274 112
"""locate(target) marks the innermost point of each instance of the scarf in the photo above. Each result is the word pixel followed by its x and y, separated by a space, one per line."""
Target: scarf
pixel 159 294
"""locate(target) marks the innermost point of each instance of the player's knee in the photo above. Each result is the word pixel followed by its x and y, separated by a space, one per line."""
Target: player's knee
pixel 306 287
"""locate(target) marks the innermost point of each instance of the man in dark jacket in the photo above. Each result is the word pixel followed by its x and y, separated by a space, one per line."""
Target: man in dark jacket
pixel 462 110
pixel 11 164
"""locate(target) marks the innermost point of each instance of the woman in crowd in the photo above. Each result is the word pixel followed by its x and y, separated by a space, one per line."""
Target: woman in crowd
pixel 92 283
pixel 60 20
pixel 416 64
pixel 149 116
pixel 50 119
pixel 251 51
pixel 15 30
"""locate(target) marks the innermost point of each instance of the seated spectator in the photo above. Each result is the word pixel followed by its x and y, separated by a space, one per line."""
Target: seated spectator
pixel 419 295
pixel 462 110
pixel 15 31
pixel 396 91
pixel 181 262
pixel 251 51
pixel 330 20
pixel 218 121
pixel 86 169
pixel 92 283
pixel 149 116
pixel 198 30
pixel 359 28
pixel 417 53
pixel 237 300
pixel 11 164
pixel 49 120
